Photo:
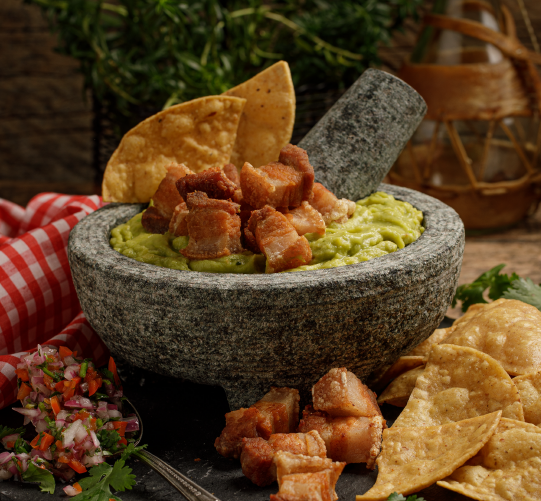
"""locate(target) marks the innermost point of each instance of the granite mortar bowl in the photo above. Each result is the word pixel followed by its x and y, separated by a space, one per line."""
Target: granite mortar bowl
pixel 248 332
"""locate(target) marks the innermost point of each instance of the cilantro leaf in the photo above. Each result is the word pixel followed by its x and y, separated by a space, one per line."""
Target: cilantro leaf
pixel 41 476
pixel 496 283
pixel 526 291
pixel 97 486
pixel 21 446
pixel 5 431
pixel 399 497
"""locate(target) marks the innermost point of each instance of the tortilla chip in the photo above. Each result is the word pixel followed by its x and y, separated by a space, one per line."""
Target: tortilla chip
pixel 507 330
pixel 399 391
pixel 412 458
pixel 403 364
pixel 267 122
pixel 199 133
pixel 529 388
pixel 506 468
pixel 460 383
pixel 437 337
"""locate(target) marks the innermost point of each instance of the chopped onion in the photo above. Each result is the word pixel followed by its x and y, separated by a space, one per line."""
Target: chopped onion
pixel 5 474
pixel 5 457
pixel 33 413
pixel 41 425
pixel 84 387
pixel 72 371
pixel 79 402
pixel 133 423
pixel 9 438
pixel 95 440
pixel 71 433
pixel 93 460
pixel 112 407
pixel 63 414
pixel 113 414
pixel 70 490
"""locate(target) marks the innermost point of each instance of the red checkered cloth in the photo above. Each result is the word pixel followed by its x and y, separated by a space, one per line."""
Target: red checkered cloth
pixel 38 302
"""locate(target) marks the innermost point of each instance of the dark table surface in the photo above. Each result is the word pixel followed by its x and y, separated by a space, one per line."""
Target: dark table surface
pixel 181 421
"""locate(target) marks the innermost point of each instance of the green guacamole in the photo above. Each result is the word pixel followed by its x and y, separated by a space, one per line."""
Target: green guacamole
pixel 379 225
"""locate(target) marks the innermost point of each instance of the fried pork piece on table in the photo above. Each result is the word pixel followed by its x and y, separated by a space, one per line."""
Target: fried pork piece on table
pixel 349 439
pixel 156 218
pixel 330 207
pixel 285 183
pixel 213 227
pixel 305 219
pixel 213 182
pixel 270 231
pixel 257 454
pixel 288 464
pixel 276 412
pixel 341 393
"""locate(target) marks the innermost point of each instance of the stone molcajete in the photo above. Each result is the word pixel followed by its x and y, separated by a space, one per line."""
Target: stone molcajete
pixel 249 332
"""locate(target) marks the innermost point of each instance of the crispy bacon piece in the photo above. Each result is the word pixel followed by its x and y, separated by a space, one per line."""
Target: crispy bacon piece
pixel 276 412
pixel 275 399
pixel 275 184
pixel 232 174
pixel 341 393
pixel 213 227
pixel 349 439
pixel 213 182
pixel 272 233
pixel 296 157
pixel 178 225
pixel 306 487
pixel 156 219
pixel 289 464
pixel 306 219
pixel 330 207
pixel 154 222
pixel 257 454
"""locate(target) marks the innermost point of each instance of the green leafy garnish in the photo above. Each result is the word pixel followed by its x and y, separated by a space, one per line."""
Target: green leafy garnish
pixel 492 280
pixel 21 446
pixel 41 476
pixel 5 431
pixel 526 291
pixel 97 486
pixel 399 497
pixel 109 440
pixel 498 285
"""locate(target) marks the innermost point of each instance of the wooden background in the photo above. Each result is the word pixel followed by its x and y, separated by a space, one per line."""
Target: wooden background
pixel 46 136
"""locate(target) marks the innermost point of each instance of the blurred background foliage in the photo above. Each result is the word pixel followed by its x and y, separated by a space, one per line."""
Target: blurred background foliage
pixel 155 53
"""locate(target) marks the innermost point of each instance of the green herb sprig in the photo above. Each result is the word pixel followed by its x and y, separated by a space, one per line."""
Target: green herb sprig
pixel 499 285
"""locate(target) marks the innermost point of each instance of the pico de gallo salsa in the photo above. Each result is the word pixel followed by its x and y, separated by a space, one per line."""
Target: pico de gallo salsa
pixel 76 411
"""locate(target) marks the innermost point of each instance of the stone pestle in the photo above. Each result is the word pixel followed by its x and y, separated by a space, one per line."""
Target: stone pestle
pixel 353 147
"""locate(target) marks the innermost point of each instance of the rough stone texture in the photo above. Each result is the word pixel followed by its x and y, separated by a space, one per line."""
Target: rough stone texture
pixel 248 332
pixel 356 143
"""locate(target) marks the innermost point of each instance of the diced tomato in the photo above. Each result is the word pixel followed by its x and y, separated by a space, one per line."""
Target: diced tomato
pixel 120 427
pixel 77 487
pixel 46 441
pixel 93 424
pixel 55 404
pixel 68 394
pixel 90 374
pixel 10 445
pixel 58 444
pixel 64 352
pixel 74 382
pixel 59 386
pixel 81 415
pixel 63 458
pixel 24 391
pixel 123 441
pixel 48 381
pixel 34 442
pixel 22 374
pixel 94 385
pixel 112 368
pixel 77 466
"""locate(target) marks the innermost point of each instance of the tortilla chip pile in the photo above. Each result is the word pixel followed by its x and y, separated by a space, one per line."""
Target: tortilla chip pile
pixel 251 122
pixel 467 424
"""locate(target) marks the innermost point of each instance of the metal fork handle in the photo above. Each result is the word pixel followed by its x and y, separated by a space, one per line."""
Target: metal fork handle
pixel 188 488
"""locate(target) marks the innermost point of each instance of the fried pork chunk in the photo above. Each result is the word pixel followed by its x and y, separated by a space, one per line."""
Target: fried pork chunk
pixel 213 182
pixel 349 439
pixel 232 174
pixel 330 207
pixel 296 157
pixel 156 218
pixel 290 464
pixel 306 219
pixel 306 487
pixel 270 231
pixel 178 226
pixel 257 454
pixel 276 412
pixel 341 393
pixel 213 227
